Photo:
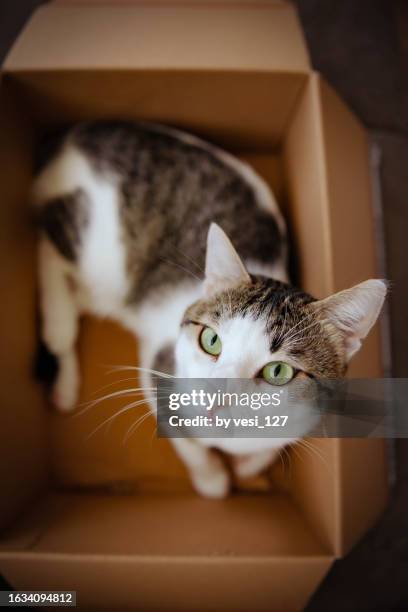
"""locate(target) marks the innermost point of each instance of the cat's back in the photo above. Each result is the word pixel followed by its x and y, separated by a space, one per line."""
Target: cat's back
pixel 140 197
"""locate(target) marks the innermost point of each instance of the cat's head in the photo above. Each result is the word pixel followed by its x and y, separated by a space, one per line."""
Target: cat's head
pixel 255 327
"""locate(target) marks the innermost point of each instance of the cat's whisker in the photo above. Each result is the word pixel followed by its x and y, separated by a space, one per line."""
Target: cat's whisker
pixel 295 448
pixel 140 369
pixel 120 393
pixel 153 396
pixel 274 334
pixel 295 451
pixel 283 456
pixel 130 429
pixel 230 303
pixel 115 415
pixel 314 450
pixel 280 338
pixel 300 331
pixel 298 338
pixel 151 410
pixel 309 452
pixel 282 460
pixel 302 320
pixel 190 259
pixel 115 382
pixel 139 421
pixel 291 332
pixel 173 263
pixel 152 436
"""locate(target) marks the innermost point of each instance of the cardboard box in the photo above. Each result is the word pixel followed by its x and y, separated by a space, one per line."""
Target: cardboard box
pixel 120 523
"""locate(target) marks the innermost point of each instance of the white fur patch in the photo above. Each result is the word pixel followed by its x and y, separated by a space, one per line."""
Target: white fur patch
pixel 158 318
pixel 102 259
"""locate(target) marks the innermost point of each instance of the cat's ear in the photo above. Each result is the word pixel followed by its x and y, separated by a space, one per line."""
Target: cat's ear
pixel 354 311
pixel 223 267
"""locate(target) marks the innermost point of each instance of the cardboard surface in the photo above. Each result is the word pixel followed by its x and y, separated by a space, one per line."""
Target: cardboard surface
pixel 144 35
pixel 115 584
pixel 120 522
pixel 147 555
pixel 203 102
pixel 23 427
pixel 150 525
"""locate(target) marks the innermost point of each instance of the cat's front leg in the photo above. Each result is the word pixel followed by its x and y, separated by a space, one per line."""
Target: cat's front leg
pixel 208 472
pixel 246 466
pixel 59 325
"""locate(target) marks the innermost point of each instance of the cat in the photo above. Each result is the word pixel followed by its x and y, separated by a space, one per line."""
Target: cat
pixel 137 223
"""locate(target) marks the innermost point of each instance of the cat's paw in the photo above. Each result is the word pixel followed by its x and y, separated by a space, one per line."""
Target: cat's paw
pixel 248 466
pixel 66 387
pixel 214 484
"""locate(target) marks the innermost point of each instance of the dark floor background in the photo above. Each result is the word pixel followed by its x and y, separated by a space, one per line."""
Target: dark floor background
pixel 361 47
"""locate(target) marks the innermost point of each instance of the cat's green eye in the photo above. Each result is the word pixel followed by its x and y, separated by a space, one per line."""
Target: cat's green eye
pixel 210 341
pixel 278 373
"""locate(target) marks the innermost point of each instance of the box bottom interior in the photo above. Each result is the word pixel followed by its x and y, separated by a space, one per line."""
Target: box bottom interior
pixel 164 525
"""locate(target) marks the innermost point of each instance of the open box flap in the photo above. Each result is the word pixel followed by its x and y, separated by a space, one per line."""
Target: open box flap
pixel 264 36
pixel 328 165
pixel 363 480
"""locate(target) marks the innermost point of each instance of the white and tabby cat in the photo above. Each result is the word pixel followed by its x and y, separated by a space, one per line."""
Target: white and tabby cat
pixel 124 211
